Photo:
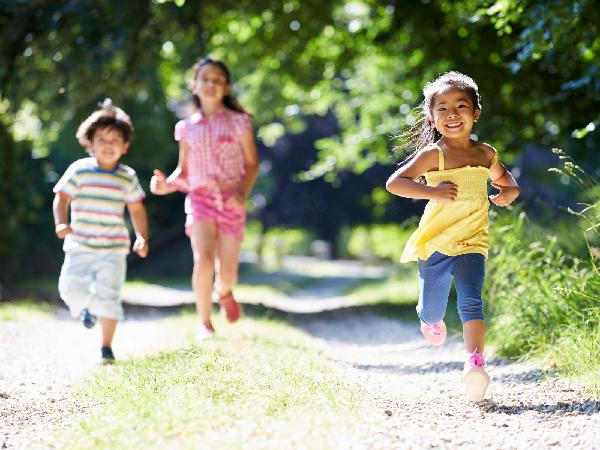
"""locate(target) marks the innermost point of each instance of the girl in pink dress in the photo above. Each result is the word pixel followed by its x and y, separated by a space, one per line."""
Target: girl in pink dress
pixel 217 168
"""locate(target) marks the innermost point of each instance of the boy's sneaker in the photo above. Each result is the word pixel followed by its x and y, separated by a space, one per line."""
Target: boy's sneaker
pixel 205 331
pixel 434 334
pixel 475 377
pixel 107 355
pixel 230 308
pixel 87 318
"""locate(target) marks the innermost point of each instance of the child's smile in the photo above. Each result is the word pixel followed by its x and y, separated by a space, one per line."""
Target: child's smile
pixel 453 114
pixel 108 146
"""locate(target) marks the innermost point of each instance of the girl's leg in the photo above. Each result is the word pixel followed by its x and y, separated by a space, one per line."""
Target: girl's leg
pixel 228 257
pixel 469 273
pixel 203 239
pixel 435 279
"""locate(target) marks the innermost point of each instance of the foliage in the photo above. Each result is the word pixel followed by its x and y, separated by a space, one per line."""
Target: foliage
pixel 543 300
pixel 384 241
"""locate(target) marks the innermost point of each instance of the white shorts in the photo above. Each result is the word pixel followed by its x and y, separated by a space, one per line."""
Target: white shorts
pixel 93 280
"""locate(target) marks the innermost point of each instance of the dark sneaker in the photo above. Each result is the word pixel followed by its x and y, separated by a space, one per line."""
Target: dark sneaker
pixel 107 355
pixel 230 307
pixel 87 318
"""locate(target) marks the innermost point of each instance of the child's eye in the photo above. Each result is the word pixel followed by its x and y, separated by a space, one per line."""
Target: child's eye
pixel 441 109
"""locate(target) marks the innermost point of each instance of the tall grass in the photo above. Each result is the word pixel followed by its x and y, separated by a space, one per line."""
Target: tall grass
pixel 543 299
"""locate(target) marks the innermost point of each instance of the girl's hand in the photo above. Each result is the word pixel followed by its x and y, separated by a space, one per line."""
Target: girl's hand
pixel 506 196
pixel 158 183
pixel 446 191
pixel 236 200
pixel 62 229
pixel 140 246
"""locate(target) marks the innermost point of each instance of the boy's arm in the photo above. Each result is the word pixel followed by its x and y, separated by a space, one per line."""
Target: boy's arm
pixel 60 210
pixel 402 180
pixel 139 219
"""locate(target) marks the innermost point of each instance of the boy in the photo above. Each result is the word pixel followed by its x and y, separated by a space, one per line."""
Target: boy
pixel 96 189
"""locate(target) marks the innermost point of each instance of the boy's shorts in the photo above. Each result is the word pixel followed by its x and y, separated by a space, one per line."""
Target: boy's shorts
pixel 93 280
pixel 211 204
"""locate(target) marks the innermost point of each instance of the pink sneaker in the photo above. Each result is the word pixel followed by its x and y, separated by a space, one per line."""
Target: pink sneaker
pixel 434 334
pixel 230 308
pixel 205 331
pixel 475 377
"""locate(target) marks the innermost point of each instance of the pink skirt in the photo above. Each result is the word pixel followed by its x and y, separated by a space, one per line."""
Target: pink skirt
pixel 206 204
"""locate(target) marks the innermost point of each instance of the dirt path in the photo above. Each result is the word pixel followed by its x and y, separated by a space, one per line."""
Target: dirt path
pixel 418 391
pixel 416 388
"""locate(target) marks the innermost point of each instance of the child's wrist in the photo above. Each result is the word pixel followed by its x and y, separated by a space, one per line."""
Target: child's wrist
pixel 61 227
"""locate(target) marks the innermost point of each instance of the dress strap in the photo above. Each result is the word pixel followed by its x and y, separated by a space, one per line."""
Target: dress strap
pixel 440 159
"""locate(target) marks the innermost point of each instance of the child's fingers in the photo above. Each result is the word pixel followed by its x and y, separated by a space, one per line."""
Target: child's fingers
pixel 159 174
pixel 496 185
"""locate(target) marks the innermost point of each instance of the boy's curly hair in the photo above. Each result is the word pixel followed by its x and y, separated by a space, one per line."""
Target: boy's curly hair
pixel 108 116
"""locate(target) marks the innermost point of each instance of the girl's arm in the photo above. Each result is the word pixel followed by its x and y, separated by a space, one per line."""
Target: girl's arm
pixel 402 182
pixel 504 181
pixel 139 220
pixel 60 210
pixel 161 185
pixel 251 164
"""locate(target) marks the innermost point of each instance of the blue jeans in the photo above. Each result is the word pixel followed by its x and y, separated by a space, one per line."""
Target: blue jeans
pixel 435 278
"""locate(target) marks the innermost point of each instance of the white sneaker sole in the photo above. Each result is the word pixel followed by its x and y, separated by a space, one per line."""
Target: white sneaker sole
pixel 476 383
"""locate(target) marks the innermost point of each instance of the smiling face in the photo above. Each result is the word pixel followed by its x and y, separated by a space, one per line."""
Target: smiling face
pixel 108 145
pixel 211 84
pixel 453 113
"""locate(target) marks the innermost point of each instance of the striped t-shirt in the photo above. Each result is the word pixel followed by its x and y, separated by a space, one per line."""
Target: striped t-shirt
pixel 98 199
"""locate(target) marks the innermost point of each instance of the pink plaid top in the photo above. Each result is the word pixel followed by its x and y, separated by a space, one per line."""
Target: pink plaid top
pixel 215 155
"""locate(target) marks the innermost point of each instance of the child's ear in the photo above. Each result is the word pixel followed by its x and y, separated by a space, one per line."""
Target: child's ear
pixel 476 115
pixel 125 147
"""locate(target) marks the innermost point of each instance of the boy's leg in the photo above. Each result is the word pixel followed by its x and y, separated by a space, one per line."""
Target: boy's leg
pixel 203 235
pixel 435 279
pixel 469 274
pixel 110 269
pixel 75 281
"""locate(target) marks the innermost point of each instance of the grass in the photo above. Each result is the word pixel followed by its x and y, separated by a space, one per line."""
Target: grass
pixel 257 385
pixel 400 288
pixel 25 310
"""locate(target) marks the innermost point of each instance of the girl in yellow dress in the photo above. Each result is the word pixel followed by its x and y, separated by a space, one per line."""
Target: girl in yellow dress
pixel 452 237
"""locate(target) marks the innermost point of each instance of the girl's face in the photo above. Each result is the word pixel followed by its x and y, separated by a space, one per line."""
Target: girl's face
pixel 211 84
pixel 108 146
pixel 453 113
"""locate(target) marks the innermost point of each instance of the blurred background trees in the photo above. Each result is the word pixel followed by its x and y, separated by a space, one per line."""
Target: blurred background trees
pixel 329 83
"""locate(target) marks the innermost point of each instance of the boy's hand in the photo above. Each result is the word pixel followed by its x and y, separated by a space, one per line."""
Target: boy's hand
pixel 62 229
pixel 446 191
pixel 140 246
pixel 506 196
pixel 158 183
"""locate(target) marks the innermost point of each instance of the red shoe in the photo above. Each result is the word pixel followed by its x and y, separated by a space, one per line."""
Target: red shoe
pixel 230 307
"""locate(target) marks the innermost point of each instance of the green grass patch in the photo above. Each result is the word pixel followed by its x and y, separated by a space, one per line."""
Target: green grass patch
pixel 400 288
pixel 25 310
pixel 259 384
pixel 543 301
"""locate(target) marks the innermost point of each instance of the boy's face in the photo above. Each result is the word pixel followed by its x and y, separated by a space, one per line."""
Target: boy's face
pixel 108 146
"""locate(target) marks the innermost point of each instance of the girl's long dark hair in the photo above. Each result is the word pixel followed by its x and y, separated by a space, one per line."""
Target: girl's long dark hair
pixel 423 132
pixel 229 100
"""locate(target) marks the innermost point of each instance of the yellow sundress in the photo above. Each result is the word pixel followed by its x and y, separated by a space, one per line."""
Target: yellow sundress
pixel 453 227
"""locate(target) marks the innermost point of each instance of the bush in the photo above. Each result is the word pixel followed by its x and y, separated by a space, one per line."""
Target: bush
pixel 378 241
